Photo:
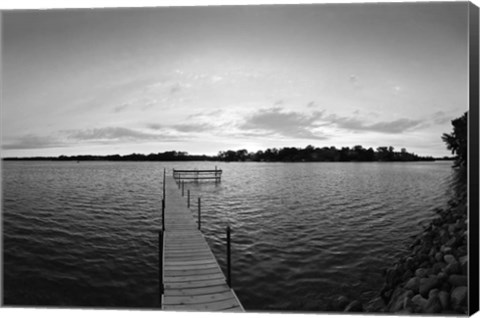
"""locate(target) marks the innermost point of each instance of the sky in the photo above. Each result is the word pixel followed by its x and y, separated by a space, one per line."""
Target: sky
pixel 208 79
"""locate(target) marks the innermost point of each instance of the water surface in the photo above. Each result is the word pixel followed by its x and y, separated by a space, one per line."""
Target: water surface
pixel 85 234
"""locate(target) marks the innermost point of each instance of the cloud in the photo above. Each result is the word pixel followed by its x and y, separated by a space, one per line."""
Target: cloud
pixel 192 127
pixel 440 118
pixel 391 127
pixel 155 126
pixel 66 138
pixel 287 124
pixel 215 112
pixel 115 134
pixel 31 141
pixel 121 107
pixel 182 128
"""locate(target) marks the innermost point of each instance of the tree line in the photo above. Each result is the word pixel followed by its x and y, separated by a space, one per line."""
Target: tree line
pixel 286 154
pixel 313 154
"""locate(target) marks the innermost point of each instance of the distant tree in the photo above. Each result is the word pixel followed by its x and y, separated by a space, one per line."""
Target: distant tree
pixel 457 141
pixel 382 153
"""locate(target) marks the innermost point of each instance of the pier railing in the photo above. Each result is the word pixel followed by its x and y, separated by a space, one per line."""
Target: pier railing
pixel 196 175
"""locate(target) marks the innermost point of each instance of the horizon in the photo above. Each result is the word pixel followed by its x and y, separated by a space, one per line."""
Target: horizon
pixel 396 150
pixel 210 79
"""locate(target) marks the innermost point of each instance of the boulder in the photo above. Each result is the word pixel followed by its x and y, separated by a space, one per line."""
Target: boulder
pixel 433 293
pixel 449 258
pixel 433 305
pixel 439 256
pixel 419 302
pixel 427 284
pixel 453 268
pixel 421 272
pixel 458 280
pixel 446 249
pixel 458 297
pixel 444 298
pixel 413 284
pixel 438 267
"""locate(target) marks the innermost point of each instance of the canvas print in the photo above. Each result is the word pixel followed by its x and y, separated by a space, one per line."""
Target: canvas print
pixel 309 158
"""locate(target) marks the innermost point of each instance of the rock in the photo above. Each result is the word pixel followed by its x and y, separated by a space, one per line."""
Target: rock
pixel 354 306
pixel 427 284
pixel 433 306
pixel 419 302
pixel 449 259
pixel 421 272
pixel 453 268
pixel 439 256
pixel 433 293
pixel 438 267
pixel 458 280
pixel 413 284
pixel 340 303
pixel 444 298
pixel 458 297
pixel 446 250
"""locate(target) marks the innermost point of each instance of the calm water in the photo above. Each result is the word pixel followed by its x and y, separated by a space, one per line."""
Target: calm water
pixel 85 234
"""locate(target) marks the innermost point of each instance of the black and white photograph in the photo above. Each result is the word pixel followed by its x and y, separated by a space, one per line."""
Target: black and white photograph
pixel 250 158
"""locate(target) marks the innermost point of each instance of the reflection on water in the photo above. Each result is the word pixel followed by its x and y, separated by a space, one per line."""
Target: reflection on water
pixel 303 233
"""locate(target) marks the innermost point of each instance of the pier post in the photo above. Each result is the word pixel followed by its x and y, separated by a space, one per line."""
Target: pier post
pixel 183 188
pixel 229 262
pixel 164 171
pixel 160 266
pixel 199 212
pixel 188 198
pixel 163 214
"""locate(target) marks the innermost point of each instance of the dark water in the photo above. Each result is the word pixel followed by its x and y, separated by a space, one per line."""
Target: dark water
pixel 303 233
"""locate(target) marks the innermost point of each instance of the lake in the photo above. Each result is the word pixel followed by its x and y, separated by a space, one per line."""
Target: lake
pixel 85 234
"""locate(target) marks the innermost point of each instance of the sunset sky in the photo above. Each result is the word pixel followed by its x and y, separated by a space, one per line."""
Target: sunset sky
pixel 206 79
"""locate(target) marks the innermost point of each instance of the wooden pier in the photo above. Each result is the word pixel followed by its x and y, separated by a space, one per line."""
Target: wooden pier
pixel 192 279
pixel 197 175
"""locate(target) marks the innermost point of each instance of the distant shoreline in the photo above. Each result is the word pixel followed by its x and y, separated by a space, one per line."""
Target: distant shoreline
pixel 286 154
pixel 189 159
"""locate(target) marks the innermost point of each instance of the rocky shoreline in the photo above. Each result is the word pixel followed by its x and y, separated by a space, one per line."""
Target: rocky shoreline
pixel 432 279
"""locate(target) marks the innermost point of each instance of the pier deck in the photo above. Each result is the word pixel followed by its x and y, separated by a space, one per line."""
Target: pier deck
pixel 193 280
